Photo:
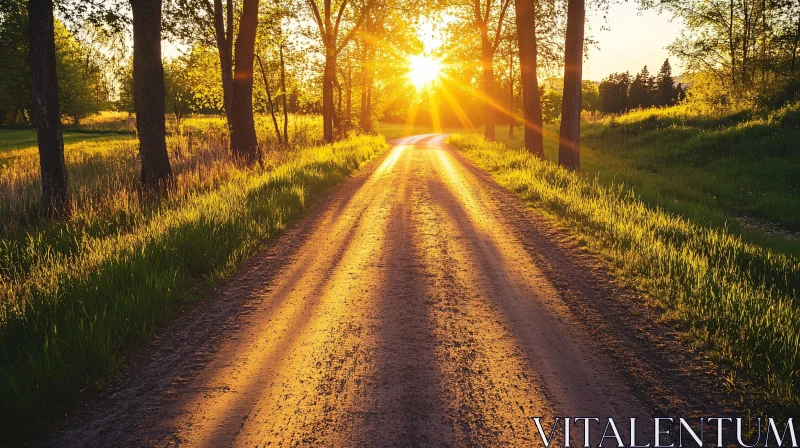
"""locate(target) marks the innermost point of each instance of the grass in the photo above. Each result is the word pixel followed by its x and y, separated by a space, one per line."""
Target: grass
pixel 711 169
pixel 74 293
pixel 737 299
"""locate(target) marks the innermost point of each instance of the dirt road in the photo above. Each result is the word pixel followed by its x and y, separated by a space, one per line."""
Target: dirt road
pixel 418 305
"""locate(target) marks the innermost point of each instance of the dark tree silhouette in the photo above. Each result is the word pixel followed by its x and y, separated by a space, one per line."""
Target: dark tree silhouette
pixel 244 144
pixel 45 108
pixel 665 86
pixel 614 93
pixel 531 102
pixel 570 133
pixel 148 93
pixel 680 93
pixel 638 96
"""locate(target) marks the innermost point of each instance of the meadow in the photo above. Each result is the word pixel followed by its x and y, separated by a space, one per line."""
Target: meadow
pixel 75 292
pixel 734 298
pixel 738 170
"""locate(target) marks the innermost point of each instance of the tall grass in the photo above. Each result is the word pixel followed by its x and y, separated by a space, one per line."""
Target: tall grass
pixel 714 168
pixel 73 293
pixel 739 299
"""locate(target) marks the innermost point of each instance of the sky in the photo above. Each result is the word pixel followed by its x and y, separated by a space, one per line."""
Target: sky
pixel 626 41
pixel 632 40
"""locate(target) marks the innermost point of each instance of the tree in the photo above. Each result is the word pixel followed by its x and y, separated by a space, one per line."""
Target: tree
pixel 570 133
pixel 283 90
pixel 244 144
pixel 177 90
pixel 665 86
pixel 482 20
pixel 15 90
pixel 148 93
pixel 551 100
pixel 638 97
pixel 329 32
pixel 46 113
pixel 745 44
pixel 613 92
pixel 680 93
pixel 213 25
pixel 528 54
pixel 271 103
pixel 83 87
pixel 590 96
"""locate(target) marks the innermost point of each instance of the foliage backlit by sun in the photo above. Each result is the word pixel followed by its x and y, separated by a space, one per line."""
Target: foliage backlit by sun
pixel 423 70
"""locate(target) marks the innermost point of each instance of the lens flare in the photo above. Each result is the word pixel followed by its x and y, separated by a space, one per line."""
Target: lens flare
pixel 423 70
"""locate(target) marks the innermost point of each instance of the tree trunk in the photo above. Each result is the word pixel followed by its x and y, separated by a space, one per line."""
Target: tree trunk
pixel 337 115
pixel 283 88
pixel 148 93
pixel 269 99
pixel 327 96
pixel 366 112
pixel 224 46
pixel 796 39
pixel 732 47
pixel 569 143
pixel 531 104
pixel 46 114
pixel 487 54
pixel 244 144
pixel 349 99
pixel 511 94
pixel 369 104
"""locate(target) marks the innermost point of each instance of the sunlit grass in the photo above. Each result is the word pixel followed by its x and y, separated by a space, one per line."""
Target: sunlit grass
pixel 74 292
pixel 738 299
pixel 712 169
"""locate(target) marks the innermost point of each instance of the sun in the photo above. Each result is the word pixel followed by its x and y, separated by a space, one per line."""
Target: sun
pixel 423 70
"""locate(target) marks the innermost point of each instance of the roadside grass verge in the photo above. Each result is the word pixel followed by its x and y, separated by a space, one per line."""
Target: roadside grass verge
pixel 74 293
pixel 736 299
pixel 713 168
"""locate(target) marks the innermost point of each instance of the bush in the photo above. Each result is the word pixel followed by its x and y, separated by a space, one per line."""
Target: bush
pixel 774 95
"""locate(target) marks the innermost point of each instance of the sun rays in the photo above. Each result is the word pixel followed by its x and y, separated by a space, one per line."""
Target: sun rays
pixel 423 70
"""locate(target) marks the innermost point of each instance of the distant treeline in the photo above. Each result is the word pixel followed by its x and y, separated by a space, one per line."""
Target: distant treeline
pixel 621 91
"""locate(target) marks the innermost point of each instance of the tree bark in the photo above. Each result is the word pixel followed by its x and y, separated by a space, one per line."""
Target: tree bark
pixel 365 120
pixel 46 113
pixel 269 100
pixel 349 99
pixel 327 96
pixel 511 117
pixel 528 54
pixel 337 114
pixel 487 56
pixel 148 93
pixel 244 144
pixel 570 136
pixel 283 88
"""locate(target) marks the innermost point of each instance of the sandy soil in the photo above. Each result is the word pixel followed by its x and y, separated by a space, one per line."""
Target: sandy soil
pixel 419 305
